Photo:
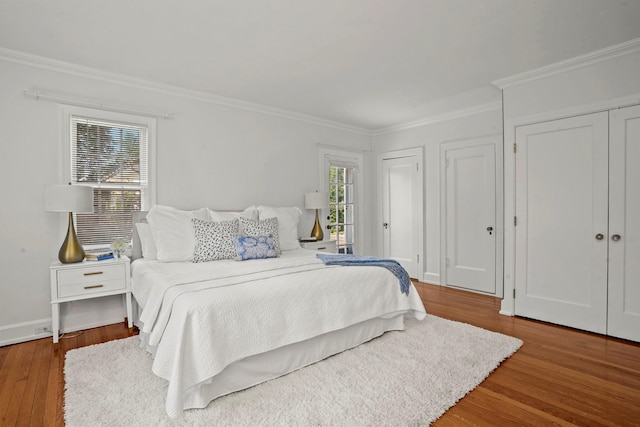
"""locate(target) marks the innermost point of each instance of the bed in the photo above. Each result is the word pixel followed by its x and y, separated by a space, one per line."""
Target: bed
pixel 221 326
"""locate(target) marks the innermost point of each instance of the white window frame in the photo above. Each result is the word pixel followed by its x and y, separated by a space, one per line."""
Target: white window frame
pixel 334 156
pixel 69 111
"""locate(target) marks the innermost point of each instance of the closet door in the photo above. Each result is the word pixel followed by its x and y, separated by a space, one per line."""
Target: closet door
pixel 624 226
pixel 562 216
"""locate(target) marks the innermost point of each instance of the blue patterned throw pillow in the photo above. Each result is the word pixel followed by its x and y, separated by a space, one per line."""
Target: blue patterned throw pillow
pixel 255 247
pixel 264 227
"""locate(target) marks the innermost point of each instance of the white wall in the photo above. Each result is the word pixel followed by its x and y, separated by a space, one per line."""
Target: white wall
pixel 599 81
pixel 431 136
pixel 208 155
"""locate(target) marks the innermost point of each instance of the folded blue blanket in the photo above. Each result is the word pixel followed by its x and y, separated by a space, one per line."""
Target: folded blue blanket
pixel 390 264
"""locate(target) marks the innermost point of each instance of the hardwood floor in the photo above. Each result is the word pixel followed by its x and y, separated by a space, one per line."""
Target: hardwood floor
pixel 32 376
pixel 560 376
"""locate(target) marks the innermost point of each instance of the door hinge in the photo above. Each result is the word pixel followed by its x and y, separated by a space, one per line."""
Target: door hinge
pixel 446 262
pixel 515 220
pixel 417 258
pixel 515 148
pixel 417 167
pixel 514 293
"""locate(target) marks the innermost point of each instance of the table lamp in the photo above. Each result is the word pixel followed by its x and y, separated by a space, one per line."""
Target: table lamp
pixel 69 198
pixel 316 201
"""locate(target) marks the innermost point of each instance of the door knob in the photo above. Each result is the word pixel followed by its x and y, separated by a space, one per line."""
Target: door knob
pixel 385 225
pixel 599 236
pixel 615 237
pixel 490 230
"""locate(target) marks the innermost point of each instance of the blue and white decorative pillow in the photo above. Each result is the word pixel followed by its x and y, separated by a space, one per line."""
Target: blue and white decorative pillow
pixel 214 240
pixel 265 227
pixel 255 247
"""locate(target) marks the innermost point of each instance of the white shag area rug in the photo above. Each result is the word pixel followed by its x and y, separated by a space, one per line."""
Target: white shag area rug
pixel 402 378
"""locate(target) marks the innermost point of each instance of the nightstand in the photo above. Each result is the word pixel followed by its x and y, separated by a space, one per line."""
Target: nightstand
pixel 321 246
pixel 89 279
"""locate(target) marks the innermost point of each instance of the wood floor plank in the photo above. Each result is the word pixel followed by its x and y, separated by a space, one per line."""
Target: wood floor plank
pixel 39 385
pixel 51 404
pixel 10 417
pixel 35 369
pixel 9 361
pixel 560 376
pixel 14 383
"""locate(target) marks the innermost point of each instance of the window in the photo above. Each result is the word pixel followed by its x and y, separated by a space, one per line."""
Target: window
pixel 342 207
pixel 110 152
pixel 341 170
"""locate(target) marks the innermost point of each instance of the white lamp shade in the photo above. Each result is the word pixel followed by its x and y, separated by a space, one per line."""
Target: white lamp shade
pixel 316 200
pixel 68 198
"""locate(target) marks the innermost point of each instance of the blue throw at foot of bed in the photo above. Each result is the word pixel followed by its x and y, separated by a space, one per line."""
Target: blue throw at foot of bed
pixel 390 264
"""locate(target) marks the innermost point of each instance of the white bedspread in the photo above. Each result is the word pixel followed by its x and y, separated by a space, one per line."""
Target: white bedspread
pixel 199 318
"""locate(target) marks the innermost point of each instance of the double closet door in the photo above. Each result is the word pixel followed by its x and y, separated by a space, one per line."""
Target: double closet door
pixel 578 222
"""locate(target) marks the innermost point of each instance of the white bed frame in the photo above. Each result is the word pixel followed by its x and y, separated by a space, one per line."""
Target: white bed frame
pixel 259 368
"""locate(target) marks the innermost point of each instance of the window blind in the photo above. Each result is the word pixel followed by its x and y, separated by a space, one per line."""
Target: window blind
pixel 112 158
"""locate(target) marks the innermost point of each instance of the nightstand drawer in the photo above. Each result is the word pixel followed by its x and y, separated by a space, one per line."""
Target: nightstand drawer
pixel 321 246
pixel 91 274
pixel 86 288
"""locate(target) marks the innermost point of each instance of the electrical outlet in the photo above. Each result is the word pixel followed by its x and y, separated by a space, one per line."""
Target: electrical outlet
pixel 41 330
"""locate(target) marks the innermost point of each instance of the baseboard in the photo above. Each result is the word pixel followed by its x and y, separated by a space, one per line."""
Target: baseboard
pixel 432 278
pixel 24 331
pixel 75 316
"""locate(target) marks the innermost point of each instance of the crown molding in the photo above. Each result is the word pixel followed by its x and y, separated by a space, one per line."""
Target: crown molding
pixel 590 58
pixel 108 77
pixel 464 112
pixel 321 144
pixel 120 79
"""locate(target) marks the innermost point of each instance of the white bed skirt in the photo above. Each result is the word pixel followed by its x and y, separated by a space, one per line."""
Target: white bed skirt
pixel 259 368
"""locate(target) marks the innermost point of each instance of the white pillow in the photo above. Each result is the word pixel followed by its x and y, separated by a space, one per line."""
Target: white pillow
pixel 288 219
pixel 147 244
pixel 251 212
pixel 173 233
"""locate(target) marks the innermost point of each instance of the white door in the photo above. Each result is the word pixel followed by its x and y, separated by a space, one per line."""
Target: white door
pixel 624 221
pixel 469 216
pixel 561 213
pixel 401 201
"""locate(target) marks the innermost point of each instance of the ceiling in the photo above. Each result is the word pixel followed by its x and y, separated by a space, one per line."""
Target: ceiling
pixel 371 64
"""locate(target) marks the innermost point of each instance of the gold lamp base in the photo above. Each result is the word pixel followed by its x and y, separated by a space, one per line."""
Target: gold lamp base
pixel 71 250
pixel 317 229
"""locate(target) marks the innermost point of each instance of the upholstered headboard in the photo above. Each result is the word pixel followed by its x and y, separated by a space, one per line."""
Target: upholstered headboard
pixel 136 247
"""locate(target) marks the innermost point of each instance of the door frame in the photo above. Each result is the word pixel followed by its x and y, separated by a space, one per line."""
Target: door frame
pixel 496 141
pixel 327 154
pixel 418 153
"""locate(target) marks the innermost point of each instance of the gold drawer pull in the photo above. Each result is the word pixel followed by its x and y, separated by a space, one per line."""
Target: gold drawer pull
pixel 93 287
pixel 93 274
pixel 324 247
